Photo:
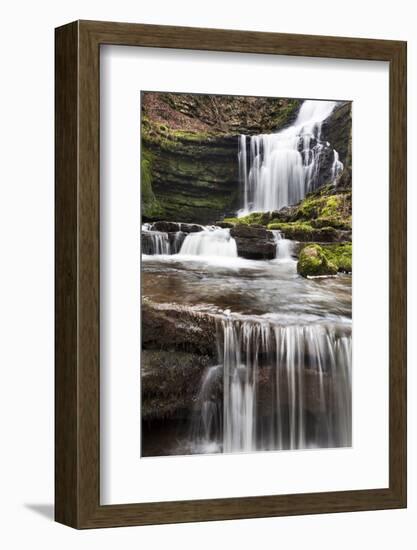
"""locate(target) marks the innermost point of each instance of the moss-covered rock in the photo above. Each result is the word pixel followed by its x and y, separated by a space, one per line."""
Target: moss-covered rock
pixel 313 262
pixel 193 181
pixel 323 216
pixel 305 232
pixel 340 255
pixel 150 206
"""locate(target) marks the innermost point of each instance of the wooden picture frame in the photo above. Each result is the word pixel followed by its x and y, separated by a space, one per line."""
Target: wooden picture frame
pixel 77 405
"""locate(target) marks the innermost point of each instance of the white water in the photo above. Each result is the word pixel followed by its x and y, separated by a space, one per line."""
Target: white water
pixel 157 243
pixel 337 166
pixel 283 388
pixel 283 167
pixel 213 241
pixel 284 246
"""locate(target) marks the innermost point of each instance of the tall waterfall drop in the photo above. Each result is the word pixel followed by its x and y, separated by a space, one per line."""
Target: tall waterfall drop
pixel 284 167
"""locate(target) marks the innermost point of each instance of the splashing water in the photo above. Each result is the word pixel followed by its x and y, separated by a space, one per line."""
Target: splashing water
pixel 284 247
pixel 213 241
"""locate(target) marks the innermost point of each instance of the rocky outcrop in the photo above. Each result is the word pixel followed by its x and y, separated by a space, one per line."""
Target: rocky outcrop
pixel 254 242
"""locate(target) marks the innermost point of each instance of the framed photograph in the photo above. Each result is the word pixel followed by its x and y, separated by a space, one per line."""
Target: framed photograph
pixel 230 274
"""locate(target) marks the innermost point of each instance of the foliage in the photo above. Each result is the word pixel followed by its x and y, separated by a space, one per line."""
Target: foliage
pixel 341 255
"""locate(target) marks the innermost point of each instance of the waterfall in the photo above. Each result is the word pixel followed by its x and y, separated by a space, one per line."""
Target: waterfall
pixel 284 387
pixel 155 242
pixel 284 246
pixel 337 166
pixel 285 166
pixel 213 241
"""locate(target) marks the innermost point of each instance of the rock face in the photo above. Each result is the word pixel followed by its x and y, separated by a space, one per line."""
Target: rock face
pixel 189 151
pixel 177 329
pixel 194 180
pixel 337 129
pixel 177 346
pixel 170 382
pixel 313 262
pixel 254 242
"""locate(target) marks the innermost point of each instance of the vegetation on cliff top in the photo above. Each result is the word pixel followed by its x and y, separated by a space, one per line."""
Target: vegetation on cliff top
pixel 218 114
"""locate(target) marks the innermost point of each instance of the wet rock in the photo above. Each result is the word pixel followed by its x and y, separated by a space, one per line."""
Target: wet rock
pixel 170 382
pixel 254 242
pixel 315 385
pixel 173 227
pixel 177 329
pixel 225 225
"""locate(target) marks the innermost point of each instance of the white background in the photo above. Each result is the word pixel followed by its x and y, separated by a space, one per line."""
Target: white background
pixel 125 478
pixel 26 217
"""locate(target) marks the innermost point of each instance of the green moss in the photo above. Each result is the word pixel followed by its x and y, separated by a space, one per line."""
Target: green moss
pixel 304 232
pixel 187 135
pixel 257 218
pixel 326 210
pixel 150 205
pixel 313 262
pixel 318 211
pixel 341 255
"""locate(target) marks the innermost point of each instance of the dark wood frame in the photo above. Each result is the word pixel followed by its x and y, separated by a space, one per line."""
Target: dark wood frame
pixel 77 274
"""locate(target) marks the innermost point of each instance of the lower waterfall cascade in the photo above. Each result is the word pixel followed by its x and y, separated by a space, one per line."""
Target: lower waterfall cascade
pixel 267 403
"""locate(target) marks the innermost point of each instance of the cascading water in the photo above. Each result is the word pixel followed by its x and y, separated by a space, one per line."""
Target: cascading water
pixel 284 387
pixel 284 246
pixel 337 166
pixel 156 242
pixel 213 241
pixel 284 167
